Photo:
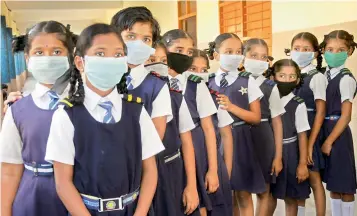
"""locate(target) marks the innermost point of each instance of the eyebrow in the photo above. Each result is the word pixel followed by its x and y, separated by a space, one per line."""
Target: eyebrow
pixel 40 47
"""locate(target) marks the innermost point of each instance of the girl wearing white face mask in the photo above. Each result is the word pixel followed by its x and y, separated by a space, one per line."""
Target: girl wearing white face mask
pixel 305 48
pixel 268 135
pixel 240 96
pixel 27 180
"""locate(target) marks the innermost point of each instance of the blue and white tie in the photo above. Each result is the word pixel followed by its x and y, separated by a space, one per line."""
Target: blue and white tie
pixel 54 100
pixel 224 82
pixel 328 75
pixel 108 118
pixel 174 84
pixel 129 85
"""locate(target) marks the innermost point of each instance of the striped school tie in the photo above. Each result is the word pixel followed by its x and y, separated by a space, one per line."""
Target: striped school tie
pixel 108 118
pixel 174 84
pixel 224 82
pixel 54 100
pixel 329 75
pixel 129 85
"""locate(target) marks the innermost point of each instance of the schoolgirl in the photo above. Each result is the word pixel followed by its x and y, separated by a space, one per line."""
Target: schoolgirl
pixel 340 172
pixel 268 135
pixel 291 184
pixel 107 141
pixel 28 186
pixel 139 30
pixel 180 48
pixel 304 49
pixel 176 192
pixel 239 95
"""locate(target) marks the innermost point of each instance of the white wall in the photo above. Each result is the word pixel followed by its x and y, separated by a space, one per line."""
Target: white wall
pixel 207 22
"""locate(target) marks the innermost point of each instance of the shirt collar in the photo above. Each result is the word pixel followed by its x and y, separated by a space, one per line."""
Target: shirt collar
pixel 234 73
pixel 181 78
pixel 138 73
pixel 39 91
pixel 285 100
pixel 260 79
pixel 92 99
pixel 308 68
pixel 334 71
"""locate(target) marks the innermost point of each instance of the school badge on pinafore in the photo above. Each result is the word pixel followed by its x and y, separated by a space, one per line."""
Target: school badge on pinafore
pixel 243 90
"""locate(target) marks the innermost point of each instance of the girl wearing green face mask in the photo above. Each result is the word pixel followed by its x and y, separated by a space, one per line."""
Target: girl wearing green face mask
pixel 340 171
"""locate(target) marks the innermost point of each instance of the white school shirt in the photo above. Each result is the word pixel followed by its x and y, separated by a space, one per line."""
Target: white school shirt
pixel 60 139
pixel 301 119
pixel 185 120
pixel 318 83
pixel 161 106
pixel 205 104
pixel 10 140
pixel 224 119
pixel 347 84
pixel 275 105
pixel 254 92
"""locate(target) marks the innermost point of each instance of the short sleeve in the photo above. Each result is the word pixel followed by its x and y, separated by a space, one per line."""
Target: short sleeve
pixel 318 86
pixel 275 104
pixel 161 106
pixel 224 119
pixel 347 88
pixel 10 141
pixel 301 119
pixel 150 139
pixel 185 119
pixel 60 145
pixel 205 104
pixel 254 92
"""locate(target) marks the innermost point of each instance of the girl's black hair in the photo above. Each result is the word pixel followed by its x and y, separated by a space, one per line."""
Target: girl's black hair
pixel 126 19
pixel 216 44
pixel 277 66
pixel 85 40
pixel 247 45
pixel 202 54
pixel 315 44
pixel 19 43
pixel 342 35
pixel 169 37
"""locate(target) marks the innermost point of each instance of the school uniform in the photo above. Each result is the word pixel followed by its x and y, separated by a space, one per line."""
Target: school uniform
pixel 23 140
pixel 105 140
pixel 152 89
pixel 313 88
pixel 263 134
pixel 242 89
pixel 340 172
pixel 295 121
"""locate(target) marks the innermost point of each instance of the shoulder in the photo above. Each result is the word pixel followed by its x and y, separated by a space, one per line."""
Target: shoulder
pixel 269 82
pixel 156 75
pixel 129 98
pixel 314 72
pixel 298 99
pixel 346 72
pixel 245 74
pixel 211 75
pixel 194 78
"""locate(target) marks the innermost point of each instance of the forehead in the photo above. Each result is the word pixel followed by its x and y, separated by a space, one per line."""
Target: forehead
pixel 199 62
pixel 287 70
pixel 183 42
pixel 302 42
pixel 105 39
pixel 46 40
pixel 259 48
pixel 160 51
pixel 142 28
pixel 231 43
pixel 335 42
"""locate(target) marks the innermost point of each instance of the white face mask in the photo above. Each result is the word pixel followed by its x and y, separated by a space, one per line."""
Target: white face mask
pixel 138 52
pixel 256 67
pixel 230 62
pixel 159 68
pixel 302 59
pixel 204 76
pixel 47 69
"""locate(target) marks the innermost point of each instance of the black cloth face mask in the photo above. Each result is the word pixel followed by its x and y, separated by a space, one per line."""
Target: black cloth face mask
pixel 179 62
pixel 286 88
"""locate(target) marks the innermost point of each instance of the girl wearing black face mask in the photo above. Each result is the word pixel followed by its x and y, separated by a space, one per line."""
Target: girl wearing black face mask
pixel 180 49
pixel 291 184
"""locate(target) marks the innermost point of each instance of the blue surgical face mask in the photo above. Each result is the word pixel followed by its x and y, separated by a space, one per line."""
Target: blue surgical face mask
pixel 230 62
pixel 104 72
pixel 302 59
pixel 47 69
pixel 138 52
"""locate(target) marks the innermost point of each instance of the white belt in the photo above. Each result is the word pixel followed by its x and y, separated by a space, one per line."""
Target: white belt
pixel 289 140
pixel 40 169
pixel 172 157
pixel 264 120
pixel 310 110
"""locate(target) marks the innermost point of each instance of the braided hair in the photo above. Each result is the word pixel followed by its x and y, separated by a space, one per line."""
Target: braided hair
pixel 215 45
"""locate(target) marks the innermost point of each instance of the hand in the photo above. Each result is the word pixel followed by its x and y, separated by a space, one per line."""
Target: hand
pixel 277 166
pixel 310 161
pixel 302 173
pixel 224 101
pixel 12 97
pixel 190 199
pixel 211 181
pixel 326 148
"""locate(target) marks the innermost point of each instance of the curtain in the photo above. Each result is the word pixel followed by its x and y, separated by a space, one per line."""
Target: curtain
pixel 5 74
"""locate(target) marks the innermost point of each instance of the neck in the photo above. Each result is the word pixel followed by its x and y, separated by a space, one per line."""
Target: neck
pixel 132 66
pixel 224 70
pixel 173 73
pixel 97 91
pixel 47 85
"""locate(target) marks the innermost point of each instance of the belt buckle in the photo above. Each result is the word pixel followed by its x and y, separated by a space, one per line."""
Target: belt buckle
pixel 111 204
pixel 35 169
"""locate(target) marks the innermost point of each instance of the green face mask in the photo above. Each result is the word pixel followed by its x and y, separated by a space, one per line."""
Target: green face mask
pixel 335 59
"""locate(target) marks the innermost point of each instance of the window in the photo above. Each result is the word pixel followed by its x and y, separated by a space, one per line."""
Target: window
pixel 247 19
pixel 187 14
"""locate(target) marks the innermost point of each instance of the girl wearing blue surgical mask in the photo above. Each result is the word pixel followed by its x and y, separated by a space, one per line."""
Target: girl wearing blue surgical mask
pixel 304 49
pixel 107 141
pixel 27 180
pixel 268 135
pixel 240 95
pixel 340 171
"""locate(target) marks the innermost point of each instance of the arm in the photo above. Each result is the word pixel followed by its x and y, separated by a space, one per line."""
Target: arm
pixel 252 116
pixel 147 187
pixel 160 125
pixel 10 180
pixel 278 137
pixel 162 111
pixel 67 191
pixel 302 171
pixel 227 141
pixel 318 121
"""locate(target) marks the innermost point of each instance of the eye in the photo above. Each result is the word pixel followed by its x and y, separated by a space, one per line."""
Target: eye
pixel 192 69
pixel 100 54
pixel 38 53
pixel 57 52
pixel 164 61
pixel 239 52
pixel 254 56
pixel 265 58
pixel 118 55
pixel 204 70
pixel 306 50
pixel 228 52
pixel 179 51
pixel 296 49
pixel 329 50
pixel 190 53
pixel 131 37
pixel 342 50
pixel 147 40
